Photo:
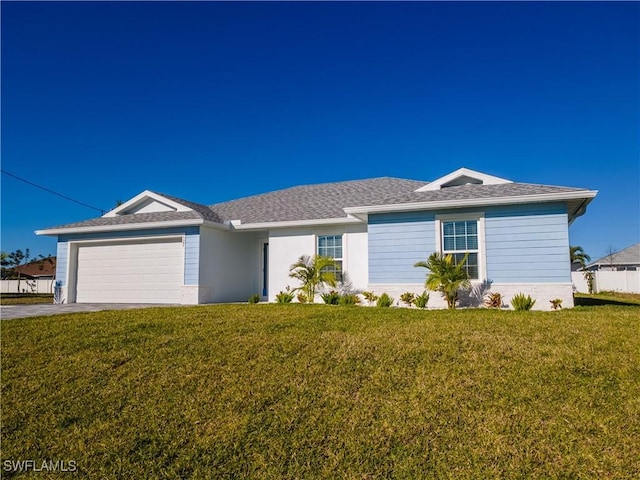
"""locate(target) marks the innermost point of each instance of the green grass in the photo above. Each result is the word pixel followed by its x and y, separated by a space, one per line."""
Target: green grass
pixel 303 391
pixel 25 298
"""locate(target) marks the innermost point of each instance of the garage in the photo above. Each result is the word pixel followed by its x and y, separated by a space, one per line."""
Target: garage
pixel 130 271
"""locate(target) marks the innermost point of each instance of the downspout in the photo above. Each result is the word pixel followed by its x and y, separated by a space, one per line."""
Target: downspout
pixel 579 211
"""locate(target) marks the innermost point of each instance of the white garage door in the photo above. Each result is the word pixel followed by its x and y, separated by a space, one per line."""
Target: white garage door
pixel 149 271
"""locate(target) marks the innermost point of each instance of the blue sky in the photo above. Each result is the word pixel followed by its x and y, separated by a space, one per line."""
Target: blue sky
pixel 212 101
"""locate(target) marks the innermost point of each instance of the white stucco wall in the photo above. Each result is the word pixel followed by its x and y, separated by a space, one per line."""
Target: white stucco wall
pixel 229 266
pixel 287 245
pixel 357 256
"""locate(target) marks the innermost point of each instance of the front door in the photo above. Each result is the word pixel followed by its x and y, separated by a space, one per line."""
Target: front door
pixel 265 269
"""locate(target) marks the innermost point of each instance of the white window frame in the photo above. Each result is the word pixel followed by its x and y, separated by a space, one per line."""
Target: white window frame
pixel 342 259
pixel 457 217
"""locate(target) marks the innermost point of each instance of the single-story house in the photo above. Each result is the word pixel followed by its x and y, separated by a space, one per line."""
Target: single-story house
pixel 159 248
pixel 42 269
pixel 624 260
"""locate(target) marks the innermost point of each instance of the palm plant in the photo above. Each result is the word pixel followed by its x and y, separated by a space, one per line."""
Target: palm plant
pixel 446 277
pixel 313 272
pixel 579 256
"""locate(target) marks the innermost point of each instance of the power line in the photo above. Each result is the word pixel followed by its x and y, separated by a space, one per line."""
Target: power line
pixel 51 191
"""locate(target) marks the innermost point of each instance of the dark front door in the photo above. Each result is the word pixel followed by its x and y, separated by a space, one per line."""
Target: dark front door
pixel 265 269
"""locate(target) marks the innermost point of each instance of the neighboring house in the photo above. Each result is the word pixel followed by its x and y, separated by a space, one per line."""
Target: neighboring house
pixel 159 248
pixel 627 259
pixel 34 277
pixel 43 269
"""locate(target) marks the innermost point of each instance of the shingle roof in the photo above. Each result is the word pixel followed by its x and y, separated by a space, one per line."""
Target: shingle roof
pixel 328 200
pixel 132 219
pixel 39 268
pixel 319 201
pixel 199 212
pixel 628 256
pixel 323 201
pixel 468 192
pixel 204 211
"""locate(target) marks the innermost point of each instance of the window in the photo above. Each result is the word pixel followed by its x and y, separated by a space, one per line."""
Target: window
pixel 331 246
pixel 460 237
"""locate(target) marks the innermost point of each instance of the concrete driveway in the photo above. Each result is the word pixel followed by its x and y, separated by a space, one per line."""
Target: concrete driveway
pixel 8 312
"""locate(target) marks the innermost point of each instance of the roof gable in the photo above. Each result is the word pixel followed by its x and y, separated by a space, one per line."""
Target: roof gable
pixel 148 202
pixel 462 176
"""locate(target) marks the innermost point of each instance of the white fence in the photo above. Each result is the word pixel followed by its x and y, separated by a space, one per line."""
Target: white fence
pixel 607 281
pixel 26 286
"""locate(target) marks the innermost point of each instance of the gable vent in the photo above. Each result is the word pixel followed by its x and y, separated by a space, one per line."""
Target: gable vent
pixel 463 180
pixel 462 176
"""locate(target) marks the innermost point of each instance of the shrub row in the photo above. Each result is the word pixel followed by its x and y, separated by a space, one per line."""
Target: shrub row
pixel 520 301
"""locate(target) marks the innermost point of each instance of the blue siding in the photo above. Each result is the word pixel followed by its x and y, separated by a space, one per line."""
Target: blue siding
pixel 191 251
pixel 527 243
pixel 523 244
pixel 396 242
pixel 191 259
pixel 62 258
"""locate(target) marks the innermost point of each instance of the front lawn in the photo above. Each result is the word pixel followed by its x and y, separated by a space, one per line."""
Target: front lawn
pixel 25 298
pixel 303 391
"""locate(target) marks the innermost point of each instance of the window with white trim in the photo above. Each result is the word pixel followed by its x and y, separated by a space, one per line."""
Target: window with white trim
pixel 460 237
pixel 331 246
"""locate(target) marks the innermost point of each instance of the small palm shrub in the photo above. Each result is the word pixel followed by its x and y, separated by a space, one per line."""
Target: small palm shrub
pixel 421 300
pixel 255 298
pixel 285 296
pixel 302 298
pixel 590 277
pixel 331 298
pixel 313 273
pixel 446 276
pixel 556 303
pixel 521 302
pixel 494 300
pixel 370 297
pixel 408 298
pixel 384 300
pixel 349 299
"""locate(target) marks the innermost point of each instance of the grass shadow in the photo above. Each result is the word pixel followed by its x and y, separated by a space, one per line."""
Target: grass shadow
pixel 599 301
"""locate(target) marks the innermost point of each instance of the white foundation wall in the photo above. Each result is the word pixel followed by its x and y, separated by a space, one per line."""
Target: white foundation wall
pixel 192 294
pixel 229 267
pixel 287 245
pixel 541 293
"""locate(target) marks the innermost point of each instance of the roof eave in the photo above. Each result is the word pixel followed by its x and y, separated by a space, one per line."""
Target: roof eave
pixel 473 202
pixel 297 223
pixel 130 226
pixel 581 210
